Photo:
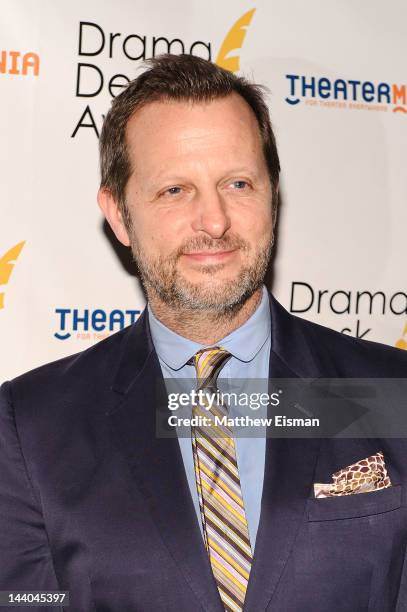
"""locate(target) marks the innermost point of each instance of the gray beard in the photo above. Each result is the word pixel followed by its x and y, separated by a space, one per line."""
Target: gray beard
pixel 161 277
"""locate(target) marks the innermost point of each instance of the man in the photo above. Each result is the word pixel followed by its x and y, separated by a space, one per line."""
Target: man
pixel 93 501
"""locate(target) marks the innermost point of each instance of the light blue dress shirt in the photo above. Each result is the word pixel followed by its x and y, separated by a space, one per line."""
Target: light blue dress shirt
pixel 250 348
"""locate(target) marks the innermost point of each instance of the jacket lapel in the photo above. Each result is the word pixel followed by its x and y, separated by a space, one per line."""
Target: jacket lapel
pixel 288 476
pixel 289 469
pixel 156 463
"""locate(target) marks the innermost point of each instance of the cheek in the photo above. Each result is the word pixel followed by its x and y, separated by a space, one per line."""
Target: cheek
pixel 162 231
pixel 254 224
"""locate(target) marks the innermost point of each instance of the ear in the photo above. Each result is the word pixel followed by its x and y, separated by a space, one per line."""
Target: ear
pixel 113 215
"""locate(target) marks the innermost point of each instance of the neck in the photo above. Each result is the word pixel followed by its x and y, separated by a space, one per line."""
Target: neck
pixel 203 327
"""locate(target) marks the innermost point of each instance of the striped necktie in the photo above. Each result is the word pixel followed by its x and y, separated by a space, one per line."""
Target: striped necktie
pixel 220 497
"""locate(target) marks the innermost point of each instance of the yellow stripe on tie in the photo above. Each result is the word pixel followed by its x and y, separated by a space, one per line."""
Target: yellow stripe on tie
pixel 232 604
pixel 229 559
pixel 240 585
pixel 221 483
pixel 223 502
pixel 202 364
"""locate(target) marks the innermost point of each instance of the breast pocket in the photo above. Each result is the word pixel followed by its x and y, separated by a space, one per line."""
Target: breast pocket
pixel 354 506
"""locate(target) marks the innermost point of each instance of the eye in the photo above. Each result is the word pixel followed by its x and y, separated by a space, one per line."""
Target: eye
pixel 173 190
pixel 240 185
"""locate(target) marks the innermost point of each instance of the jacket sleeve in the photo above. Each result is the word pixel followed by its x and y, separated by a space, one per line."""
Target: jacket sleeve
pixel 25 555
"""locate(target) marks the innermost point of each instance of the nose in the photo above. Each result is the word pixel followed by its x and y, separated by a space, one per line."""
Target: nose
pixel 210 214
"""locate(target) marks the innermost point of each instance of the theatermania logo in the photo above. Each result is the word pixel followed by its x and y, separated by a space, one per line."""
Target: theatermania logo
pixel 92 324
pixel 7 263
pixel 19 63
pixel 345 93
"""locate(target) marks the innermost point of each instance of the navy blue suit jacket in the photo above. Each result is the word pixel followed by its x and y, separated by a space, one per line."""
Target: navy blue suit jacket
pixel 92 502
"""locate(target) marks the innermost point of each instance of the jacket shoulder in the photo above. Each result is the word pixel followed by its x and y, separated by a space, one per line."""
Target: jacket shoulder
pixel 95 365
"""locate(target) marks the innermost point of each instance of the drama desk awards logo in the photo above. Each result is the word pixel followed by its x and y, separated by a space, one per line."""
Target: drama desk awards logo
pixel 402 342
pixel 93 78
pixel 233 41
pixel 7 263
pixel 352 308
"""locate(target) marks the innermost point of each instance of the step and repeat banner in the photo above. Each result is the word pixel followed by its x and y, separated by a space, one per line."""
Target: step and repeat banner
pixel 338 101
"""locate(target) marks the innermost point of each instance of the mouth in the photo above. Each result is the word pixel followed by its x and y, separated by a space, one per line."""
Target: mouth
pixel 209 257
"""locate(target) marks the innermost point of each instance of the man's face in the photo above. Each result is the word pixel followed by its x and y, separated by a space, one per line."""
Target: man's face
pixel 199 200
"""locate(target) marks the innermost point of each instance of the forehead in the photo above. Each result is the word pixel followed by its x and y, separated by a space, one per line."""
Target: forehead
pixel 169 127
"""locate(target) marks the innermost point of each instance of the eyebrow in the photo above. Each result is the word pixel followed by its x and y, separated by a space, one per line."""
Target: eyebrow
pixel 174 178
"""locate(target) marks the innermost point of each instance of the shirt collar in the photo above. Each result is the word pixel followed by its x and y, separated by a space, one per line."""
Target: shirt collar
pixel 243 343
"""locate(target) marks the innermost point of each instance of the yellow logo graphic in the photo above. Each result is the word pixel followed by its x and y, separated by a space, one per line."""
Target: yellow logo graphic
pixel 233 42
pixel 6 266
pixel 402 342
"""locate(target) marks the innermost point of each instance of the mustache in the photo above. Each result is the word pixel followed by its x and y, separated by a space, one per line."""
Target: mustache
pixel 205 243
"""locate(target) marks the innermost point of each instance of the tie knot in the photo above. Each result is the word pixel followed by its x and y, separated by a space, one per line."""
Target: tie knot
pixel 208 363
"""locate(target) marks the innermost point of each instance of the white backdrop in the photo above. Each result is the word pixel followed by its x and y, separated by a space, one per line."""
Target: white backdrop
pixel 341 125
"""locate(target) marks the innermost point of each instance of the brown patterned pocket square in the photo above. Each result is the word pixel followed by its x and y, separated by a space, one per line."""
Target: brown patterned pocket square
pixel 364 476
